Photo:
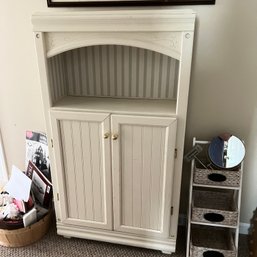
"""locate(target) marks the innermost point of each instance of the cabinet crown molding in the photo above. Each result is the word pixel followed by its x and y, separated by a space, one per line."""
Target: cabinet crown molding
pixel 118 20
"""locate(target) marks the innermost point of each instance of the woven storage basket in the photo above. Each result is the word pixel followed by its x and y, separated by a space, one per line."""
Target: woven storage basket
pixel 217 240
pixel 216 207
pixel 25 236
pixel 230 178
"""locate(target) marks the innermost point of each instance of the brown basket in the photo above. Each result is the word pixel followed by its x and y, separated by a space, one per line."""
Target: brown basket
pixel 218 241
pixel 229 178
pixel 216 207
pixel 25 236
pixel 11 224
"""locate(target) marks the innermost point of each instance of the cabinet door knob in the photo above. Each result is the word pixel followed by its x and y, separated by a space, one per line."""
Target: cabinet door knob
pixel 115 136
pixel 106 135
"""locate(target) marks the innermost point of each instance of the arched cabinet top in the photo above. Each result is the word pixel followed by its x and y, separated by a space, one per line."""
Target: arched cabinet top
pixel 157 30
pixel 167 43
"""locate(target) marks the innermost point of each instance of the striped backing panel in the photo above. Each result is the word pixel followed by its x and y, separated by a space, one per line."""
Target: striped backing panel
pixel 57 79
pixel 113 71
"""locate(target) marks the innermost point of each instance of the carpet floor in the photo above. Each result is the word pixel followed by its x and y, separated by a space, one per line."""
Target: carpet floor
pixel 53 245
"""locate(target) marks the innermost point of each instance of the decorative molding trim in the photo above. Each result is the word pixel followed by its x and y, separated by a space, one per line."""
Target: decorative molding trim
pixel 118 20
pixel 168 245
pixel 167 43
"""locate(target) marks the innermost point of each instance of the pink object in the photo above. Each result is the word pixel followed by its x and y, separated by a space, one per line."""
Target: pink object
pixel 29 134
pixel 20 205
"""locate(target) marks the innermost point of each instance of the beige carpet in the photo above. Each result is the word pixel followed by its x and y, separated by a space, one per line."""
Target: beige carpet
pixel 53 245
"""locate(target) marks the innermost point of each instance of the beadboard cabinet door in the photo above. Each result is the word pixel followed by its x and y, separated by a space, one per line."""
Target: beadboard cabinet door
pixel 82 153
pixel 143 164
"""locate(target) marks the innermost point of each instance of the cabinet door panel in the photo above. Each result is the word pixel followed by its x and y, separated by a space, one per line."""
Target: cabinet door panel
pixel 83 168
pixel 143 160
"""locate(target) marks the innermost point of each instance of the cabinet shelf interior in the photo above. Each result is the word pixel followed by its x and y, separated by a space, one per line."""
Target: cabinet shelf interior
pixel 145 79
pixel 117 105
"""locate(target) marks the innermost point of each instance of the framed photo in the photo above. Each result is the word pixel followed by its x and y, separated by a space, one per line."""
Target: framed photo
pixel 99 3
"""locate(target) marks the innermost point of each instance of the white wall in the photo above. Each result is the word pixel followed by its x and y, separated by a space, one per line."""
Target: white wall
pixel 223 93
pixel 223 90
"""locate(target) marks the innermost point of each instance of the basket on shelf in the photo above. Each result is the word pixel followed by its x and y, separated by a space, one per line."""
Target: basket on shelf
pixel 211 242
pixel 25 236
pixel 229 178
pixel 217 207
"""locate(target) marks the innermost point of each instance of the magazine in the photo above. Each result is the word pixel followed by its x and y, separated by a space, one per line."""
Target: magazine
pixel 37 152
pixel 41 187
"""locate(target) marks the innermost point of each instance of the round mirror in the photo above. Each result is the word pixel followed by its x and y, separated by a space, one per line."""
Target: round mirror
pixel 226 151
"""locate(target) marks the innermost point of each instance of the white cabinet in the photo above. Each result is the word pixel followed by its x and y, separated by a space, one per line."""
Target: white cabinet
pixel 115 88
pixel 140 166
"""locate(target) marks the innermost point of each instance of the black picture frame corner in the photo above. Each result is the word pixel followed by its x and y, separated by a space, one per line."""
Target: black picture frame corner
pixel 99 3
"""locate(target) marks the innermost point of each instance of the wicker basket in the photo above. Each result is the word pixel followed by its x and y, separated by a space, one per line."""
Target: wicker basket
pixel 218 241
pixel 216 207
pixel 25 236
pixel 229 178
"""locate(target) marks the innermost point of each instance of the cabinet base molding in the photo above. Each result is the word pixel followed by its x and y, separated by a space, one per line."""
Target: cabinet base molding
pixel 167 246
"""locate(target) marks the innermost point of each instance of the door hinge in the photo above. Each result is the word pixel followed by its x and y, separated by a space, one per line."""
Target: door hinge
pixel 176 153
pixel 171 210
pixel 57 196
pixel 52 143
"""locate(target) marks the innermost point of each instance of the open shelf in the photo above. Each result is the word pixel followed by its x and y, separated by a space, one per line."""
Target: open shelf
pixel 214 207
pixel 216 241
pixel 117 105
pixel 212 225
pixel 214 186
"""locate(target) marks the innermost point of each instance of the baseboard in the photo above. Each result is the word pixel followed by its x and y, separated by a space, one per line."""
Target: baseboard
pixel 243 227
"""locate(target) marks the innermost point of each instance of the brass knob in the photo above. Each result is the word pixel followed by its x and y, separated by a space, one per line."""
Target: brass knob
pixel 115 136
pixel 106 135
